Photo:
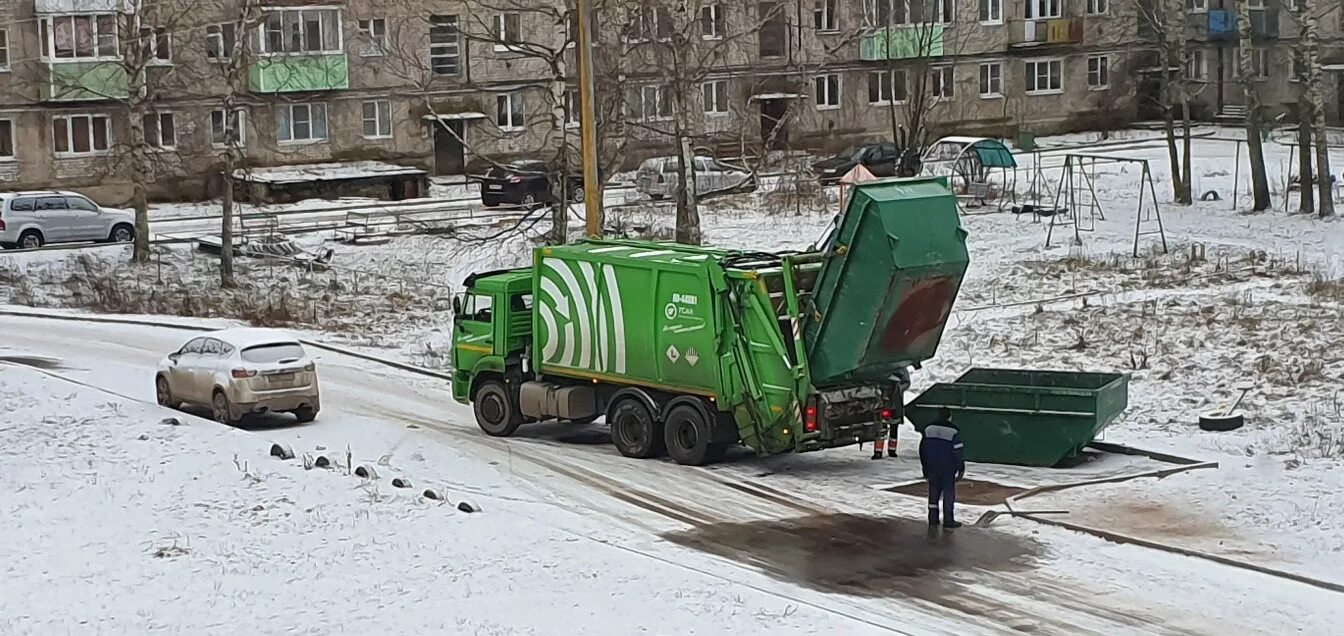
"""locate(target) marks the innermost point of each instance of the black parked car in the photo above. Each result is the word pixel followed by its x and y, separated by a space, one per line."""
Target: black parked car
pixel 879 157
pixel 526 182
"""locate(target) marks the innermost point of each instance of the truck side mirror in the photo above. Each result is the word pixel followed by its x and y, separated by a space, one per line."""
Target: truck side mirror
pixel 457 304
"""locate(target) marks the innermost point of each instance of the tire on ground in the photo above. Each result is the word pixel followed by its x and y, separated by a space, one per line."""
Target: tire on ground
pixel 634 432
pixel 1218 422
pixel 687 435
pixel 496 410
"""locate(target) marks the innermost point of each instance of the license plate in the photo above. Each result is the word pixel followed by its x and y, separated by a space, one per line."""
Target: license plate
pixel 496 187
pixel 282 377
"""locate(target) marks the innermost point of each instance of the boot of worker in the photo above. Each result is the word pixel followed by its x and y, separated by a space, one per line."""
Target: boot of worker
pixel 878 445
pixel 933 516
pixel 891 448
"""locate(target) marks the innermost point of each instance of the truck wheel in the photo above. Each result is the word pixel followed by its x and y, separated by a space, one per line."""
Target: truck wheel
pixel 687 436
pixel 634 432
pixel 496 412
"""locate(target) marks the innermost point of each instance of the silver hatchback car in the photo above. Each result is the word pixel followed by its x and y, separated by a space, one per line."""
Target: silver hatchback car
pixel 241 372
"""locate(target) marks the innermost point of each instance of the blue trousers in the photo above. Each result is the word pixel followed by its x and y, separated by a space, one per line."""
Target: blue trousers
pixel 942 488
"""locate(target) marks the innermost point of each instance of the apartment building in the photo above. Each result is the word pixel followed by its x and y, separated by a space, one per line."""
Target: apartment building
pixel 446 85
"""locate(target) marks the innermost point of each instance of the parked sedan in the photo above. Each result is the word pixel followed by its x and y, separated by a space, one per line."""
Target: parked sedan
pixel 659 177
pixel 526 182
pixel 32 219
pixel 241 372
pixel 880 158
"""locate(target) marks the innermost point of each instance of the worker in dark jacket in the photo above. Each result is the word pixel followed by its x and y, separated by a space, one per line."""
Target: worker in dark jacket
pixel 942 456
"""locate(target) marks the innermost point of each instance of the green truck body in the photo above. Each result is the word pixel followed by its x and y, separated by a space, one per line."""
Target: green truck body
pixel 689 349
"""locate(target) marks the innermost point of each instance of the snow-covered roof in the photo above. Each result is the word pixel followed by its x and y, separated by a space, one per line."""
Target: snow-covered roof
pixel 324 172
pixel 453 116
pixel 244 337
pixel 960 139
pixel 777 96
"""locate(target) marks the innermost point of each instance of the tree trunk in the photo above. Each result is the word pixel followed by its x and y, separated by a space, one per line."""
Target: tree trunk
pixel 1305 156
pixel 1186 196
pixel 226 226
pixel 140 169
pixel 1311 42
pixel 1254 143
pixel 559 97
pixel 688 209
pixel 1172 56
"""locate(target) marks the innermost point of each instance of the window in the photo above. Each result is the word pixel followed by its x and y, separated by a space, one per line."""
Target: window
pixel 991 79
pixel 373 37
pixel 1260 63
pixel 507 28
pixel 377 119
pixel 941 11
pixel 572 107
pixel 220 41
pixel 478 307
pixel 80 37
pixel 1098 7
pixel 226 131
pixel 509 112
pixel 648 103
pixel 160 131
pixel 1098 71
pixel 1044 9
pixel 652 23
pixel 6 139
pixel 886 87
pixel 156 45
pixel 1045 76
pixel 1196 5
pixel 827 91
pixel 711 22
pixel 943 80
pixel 445 45
pixel 296 31
pixel 1196 65
pixel 298 123
pixel 991 11
pixel 824 16
pixel 271 353
pixel 81 134
pixel 773 33
pixel 81 204
pixel 715 96
pixel 4 50
pixel 1300 69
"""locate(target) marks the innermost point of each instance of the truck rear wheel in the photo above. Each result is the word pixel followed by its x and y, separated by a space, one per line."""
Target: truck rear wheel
pixel 634 431
pixel 687 435
pixel 496 411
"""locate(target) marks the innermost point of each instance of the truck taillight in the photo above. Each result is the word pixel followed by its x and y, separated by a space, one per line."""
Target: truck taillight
pixel 242 373
pixel 810 419
pixel 886 414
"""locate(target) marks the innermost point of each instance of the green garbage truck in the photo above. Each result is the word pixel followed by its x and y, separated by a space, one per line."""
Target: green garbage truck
pixel 689 350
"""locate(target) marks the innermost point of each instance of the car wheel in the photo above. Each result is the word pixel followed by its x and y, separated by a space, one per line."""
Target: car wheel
pixel 656 197
pixel 529 199
pixel 305 414
pixel 122 233
pixel 634 431
pixel 490 204
pixel 496 411
pixel 30 240
pixel 220 408
pixel 576 195
pixel 164 393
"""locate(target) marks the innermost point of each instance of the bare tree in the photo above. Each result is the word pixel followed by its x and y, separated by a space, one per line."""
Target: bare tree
pixel 1311 53
pixel 1247 73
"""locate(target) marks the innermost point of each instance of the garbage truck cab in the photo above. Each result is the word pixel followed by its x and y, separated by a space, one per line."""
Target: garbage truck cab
pixel 492 325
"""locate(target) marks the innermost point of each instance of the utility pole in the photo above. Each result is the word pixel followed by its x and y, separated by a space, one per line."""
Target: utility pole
pixel 592 191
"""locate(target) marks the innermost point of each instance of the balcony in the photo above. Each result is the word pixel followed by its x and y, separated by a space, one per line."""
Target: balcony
pixel 300 73
pixel 1222 24
pixel 902 42
pixel 85 80
pixel 1046 31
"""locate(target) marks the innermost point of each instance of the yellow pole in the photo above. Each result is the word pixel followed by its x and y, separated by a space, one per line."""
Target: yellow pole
pixel 592 193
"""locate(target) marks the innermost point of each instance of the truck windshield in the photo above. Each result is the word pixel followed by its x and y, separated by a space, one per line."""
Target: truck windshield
pixel 478 307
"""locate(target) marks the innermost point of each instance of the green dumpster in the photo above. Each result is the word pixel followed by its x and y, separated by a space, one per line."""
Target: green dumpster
pixel 1024 417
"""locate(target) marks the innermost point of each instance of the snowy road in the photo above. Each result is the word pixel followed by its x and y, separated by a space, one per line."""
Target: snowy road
pixel 802 542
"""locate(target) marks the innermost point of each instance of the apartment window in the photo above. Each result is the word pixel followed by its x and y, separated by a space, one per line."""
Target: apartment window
pixel 1045 77
pixel 445 45
pixel 827 91
pixel 943 81
pixel 572 107
pixel 1196 65
pixel 226 130
pixel 824 16
pixel 1196 5
pixel 1044 9
pixel 1098 71
pixel 652 23
pixel 6 139
pixel 942 11
pixel 711 22
pixel 80 37
pixel 648 103
pixel 220 41
pixel 377 119
pixel 160 131
pixel 4 50
pixel 509 112
pixel 715 96
pixel 81 134
pixel 773 34
pixel 991 11
pixel 1098 7
pixel 1260 63
pixel 156 45
pixel 1300 70
pixel 886 87
pixel 507 28
pixel 298 123
pixel 295 31
pixel 991 79
pixel 373 37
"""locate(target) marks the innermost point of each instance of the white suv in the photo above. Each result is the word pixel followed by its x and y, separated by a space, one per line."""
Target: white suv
pixel 33 219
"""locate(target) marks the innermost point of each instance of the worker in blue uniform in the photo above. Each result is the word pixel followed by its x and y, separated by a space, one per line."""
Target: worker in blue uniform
pixel 943 459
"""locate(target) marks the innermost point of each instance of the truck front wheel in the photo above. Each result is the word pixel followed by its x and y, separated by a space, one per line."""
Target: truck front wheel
pixel 634 431
pixel 496 411
pixel 687 436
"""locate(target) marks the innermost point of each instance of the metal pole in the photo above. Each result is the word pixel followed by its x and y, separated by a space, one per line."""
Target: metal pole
pixel 592 194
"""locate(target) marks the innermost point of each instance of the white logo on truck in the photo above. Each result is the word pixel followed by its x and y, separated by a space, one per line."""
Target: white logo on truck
pixel 582 316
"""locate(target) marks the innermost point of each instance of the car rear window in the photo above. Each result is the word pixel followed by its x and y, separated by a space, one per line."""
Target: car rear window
pixel 22 204
pixel 267 353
